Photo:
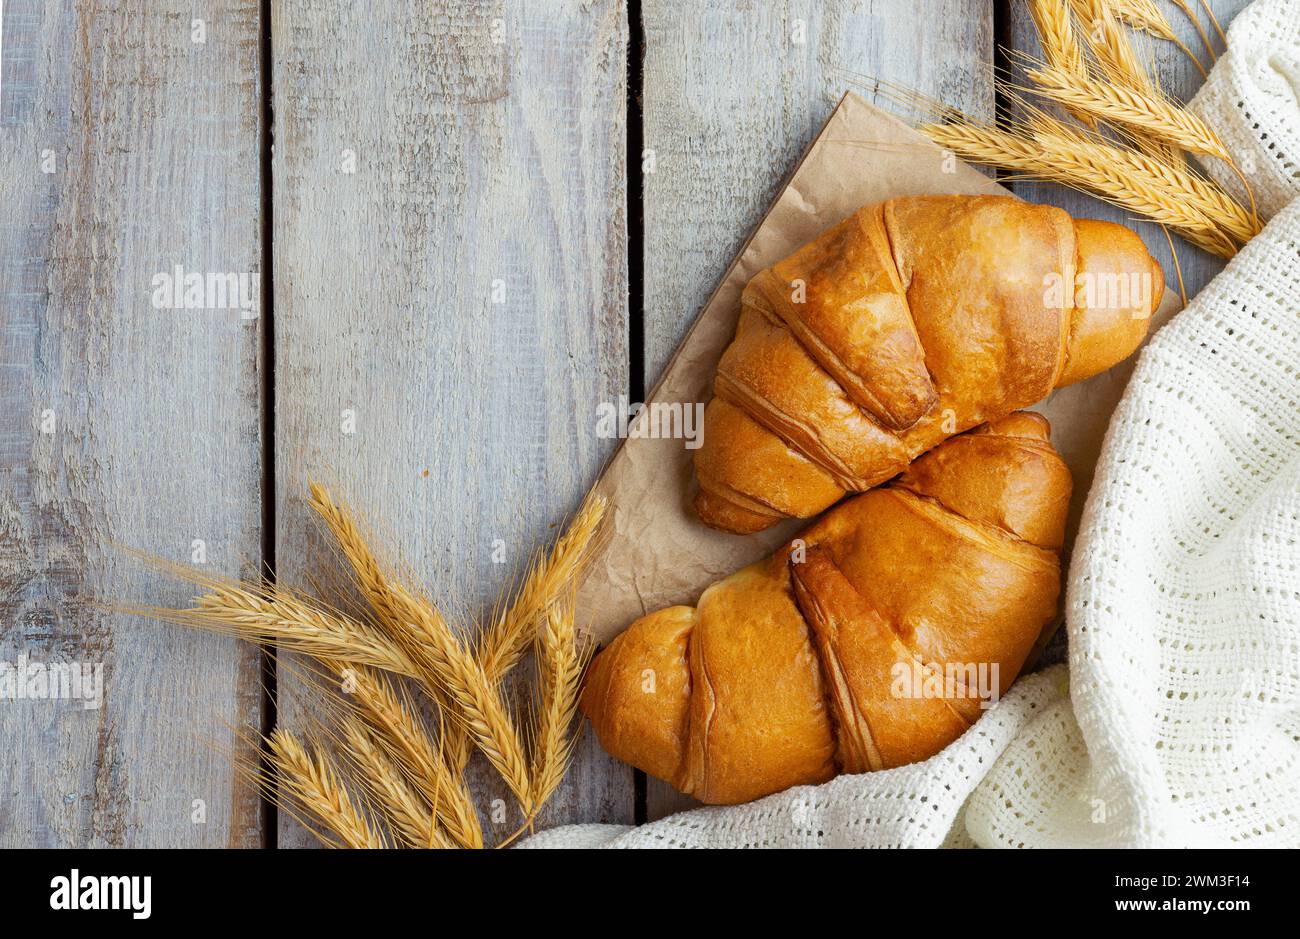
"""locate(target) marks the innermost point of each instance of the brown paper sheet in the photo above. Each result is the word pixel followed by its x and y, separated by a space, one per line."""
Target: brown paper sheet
pixel 658 552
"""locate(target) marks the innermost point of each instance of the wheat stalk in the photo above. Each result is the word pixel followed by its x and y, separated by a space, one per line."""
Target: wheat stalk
pixel 561 664
pixel 276 615
pixel 548 578
pixel 307 778
pixel 1061 49
pixel 1196 21
pixel 1146 16
pixel 1209 11
pixel 1134 110
pixel 403 736
pixel 1123 177
pixel 410 817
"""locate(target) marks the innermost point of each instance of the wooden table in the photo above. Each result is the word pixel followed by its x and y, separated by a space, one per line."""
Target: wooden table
pixel 467 225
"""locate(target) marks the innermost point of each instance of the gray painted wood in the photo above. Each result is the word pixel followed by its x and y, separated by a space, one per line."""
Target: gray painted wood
pixel 734 92
pixel 125 148
pixel 461 297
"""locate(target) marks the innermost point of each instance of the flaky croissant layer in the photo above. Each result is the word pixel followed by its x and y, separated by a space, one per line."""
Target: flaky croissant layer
pixel 909 322
pixel 827 656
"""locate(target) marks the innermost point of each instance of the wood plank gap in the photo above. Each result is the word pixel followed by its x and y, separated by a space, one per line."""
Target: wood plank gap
pixel 636 265
pixel 1000 57
pixel 1000 60
pixel 270 811
pixel 636 390
pixel 635 204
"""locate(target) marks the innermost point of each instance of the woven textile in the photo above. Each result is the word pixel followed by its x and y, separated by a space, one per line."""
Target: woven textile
pixel 1251 102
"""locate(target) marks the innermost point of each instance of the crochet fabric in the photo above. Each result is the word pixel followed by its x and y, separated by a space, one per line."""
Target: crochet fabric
pixel 1179 724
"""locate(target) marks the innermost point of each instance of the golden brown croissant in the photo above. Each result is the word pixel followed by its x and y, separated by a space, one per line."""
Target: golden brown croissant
pixel 868 642
pixel 909 322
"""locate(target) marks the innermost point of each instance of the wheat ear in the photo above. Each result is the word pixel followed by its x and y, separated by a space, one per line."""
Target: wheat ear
pixel 1110 45
pixel 395 607
pixel 365 566
pixel 1125 178
pixel 1154 116
pixel 1115 56
pixel 277 616
pixel 428 638
pixel 547 580
pixel 1133 110
pixel 409 816
pixel 1201 195
pixel 1061 49
pixel 307 778
pixel 408 741
pixel 562 659
pixel 478 703
pixel 1146 16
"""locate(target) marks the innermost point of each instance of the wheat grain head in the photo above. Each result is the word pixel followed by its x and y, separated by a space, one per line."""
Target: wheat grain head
pixel 306 776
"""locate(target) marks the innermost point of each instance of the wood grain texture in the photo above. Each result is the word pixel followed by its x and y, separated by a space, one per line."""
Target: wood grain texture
pixel 125 148
pixel 734 92
pixel 451 291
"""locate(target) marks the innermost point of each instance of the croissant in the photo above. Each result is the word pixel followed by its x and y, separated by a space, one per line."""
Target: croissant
pixel 872 640
pixel 907 323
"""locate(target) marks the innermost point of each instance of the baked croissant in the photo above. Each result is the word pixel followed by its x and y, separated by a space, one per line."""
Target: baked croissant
pixel 821 659
pixel 909 322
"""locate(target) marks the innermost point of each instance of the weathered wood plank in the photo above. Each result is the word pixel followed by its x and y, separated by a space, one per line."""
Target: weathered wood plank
pixel 126 148
pixel 733 94
pixel 450 269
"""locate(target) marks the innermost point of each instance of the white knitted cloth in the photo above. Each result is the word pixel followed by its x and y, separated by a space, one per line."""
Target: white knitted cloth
pixel 1182 722
pixel 1250 101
